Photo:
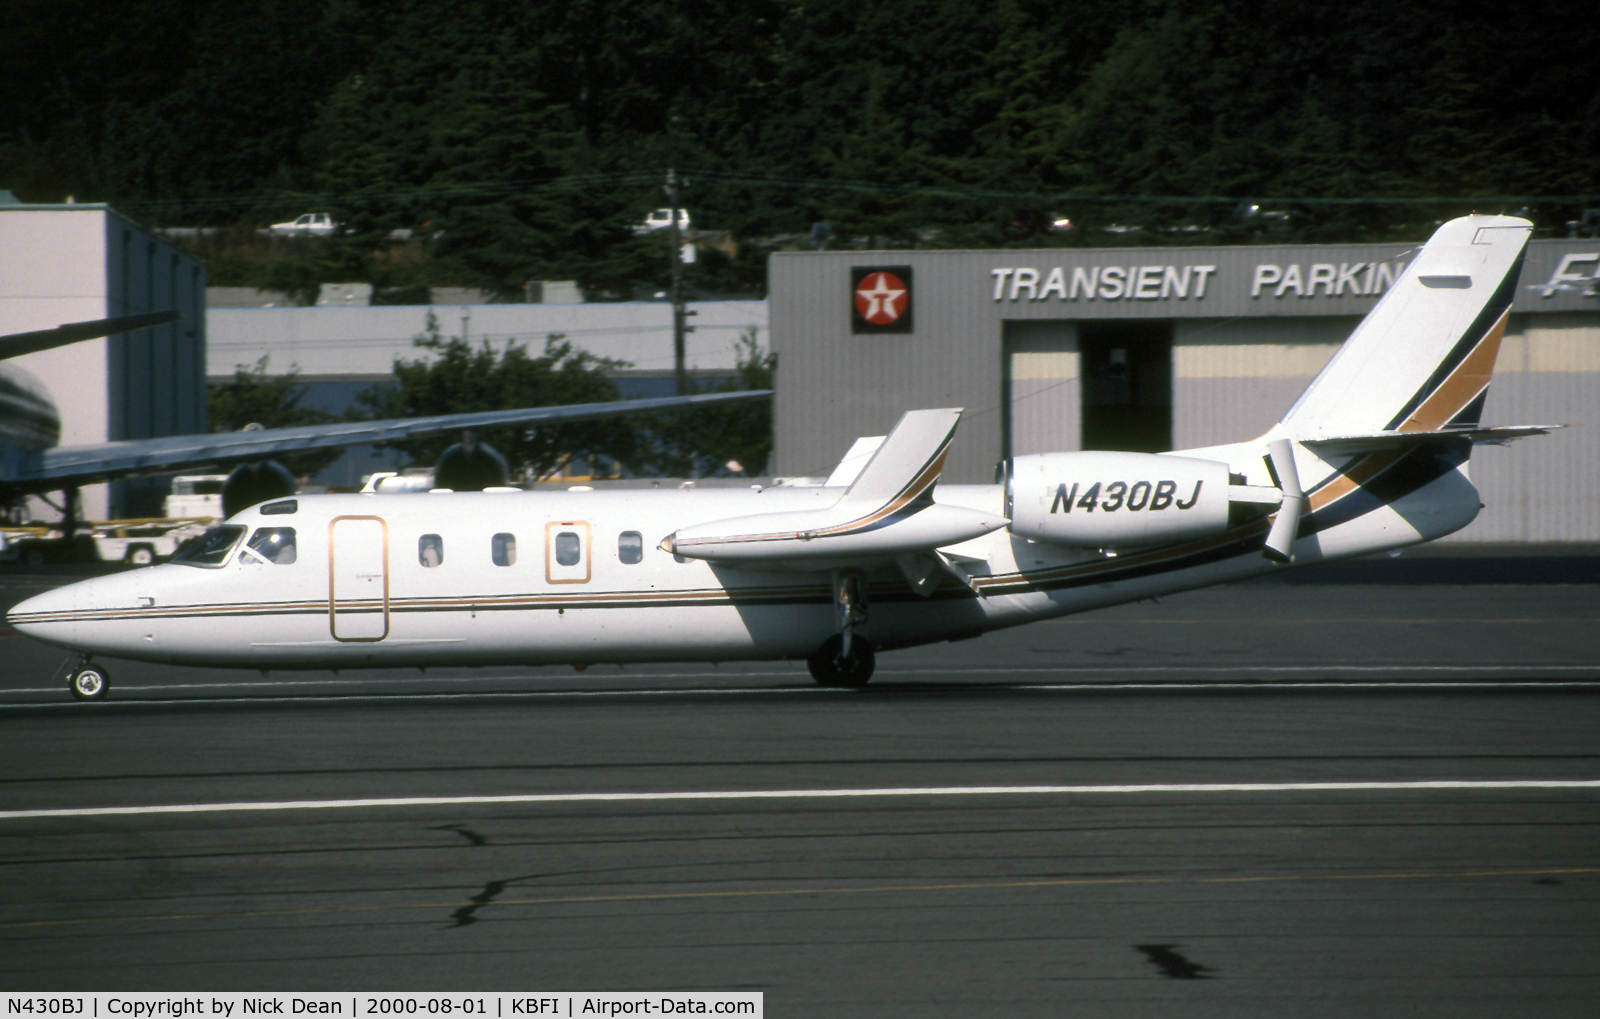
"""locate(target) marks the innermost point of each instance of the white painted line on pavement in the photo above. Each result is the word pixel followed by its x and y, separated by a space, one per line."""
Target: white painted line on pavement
pixel 977 670
pixel 1157 686
pixel 811 794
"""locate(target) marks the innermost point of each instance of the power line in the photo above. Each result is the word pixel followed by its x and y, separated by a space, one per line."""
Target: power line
pixel 644 179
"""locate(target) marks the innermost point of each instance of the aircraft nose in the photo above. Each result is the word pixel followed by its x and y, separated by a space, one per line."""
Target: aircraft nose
pixel 51 617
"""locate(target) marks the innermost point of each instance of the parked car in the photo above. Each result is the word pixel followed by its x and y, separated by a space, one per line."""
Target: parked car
pixel 314 224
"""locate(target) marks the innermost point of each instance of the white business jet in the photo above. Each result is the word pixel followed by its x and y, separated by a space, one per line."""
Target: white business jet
pixel 1373 456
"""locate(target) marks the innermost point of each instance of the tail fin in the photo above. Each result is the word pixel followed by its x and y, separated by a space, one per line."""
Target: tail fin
pixel 1421 359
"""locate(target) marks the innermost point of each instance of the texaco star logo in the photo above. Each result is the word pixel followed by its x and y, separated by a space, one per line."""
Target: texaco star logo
pixel 882 299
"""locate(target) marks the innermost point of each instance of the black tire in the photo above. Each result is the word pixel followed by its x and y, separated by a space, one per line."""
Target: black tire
pixel 90 683
pixel 34 557
pixel 828 669
pixel 139 555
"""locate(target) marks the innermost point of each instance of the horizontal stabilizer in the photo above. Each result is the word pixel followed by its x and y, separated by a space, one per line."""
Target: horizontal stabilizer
pixel 1378 442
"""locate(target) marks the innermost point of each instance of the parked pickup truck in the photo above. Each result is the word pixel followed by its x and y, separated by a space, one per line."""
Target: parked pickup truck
pixel 314 224
pixel 660 219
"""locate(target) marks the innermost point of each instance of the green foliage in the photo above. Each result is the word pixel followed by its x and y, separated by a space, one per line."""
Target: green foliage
pixel 271 401
pixel 704 441
pixel 523 139
pixel 459 378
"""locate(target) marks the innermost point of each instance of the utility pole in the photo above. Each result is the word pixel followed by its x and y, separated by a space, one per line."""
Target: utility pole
pixel 680 316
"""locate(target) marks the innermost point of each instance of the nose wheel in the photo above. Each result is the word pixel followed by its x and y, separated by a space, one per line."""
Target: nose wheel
pixel 87 681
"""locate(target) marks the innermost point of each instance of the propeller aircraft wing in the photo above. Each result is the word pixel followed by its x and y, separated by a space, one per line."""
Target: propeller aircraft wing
pixel 68 466
pixel 17 344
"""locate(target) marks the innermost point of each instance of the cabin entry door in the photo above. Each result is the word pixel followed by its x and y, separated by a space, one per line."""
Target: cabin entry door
pixel 358 578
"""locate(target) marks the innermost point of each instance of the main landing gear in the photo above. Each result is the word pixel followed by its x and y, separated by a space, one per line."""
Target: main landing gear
pixel 87 681
pixel 844 659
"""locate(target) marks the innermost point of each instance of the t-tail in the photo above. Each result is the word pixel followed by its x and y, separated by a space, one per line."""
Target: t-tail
pixel 1421 360
pixel 1400 405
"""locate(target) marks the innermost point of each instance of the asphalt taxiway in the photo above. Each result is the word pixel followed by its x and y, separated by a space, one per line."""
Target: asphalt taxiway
pixel 1373 792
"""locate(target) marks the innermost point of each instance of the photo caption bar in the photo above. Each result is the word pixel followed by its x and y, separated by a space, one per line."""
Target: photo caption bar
pixel 349 1004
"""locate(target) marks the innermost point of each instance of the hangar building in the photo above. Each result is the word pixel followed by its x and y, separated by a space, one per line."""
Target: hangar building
pixel 74 263
pixel 1161 348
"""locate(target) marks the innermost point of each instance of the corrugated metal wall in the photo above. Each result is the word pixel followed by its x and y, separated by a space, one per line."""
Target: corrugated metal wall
pixel 835 386
pixel 1234 378
pixel 1545 488
pixel 157 377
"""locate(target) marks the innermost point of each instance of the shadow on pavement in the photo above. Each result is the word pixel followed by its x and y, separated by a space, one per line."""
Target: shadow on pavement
pixel 1458 565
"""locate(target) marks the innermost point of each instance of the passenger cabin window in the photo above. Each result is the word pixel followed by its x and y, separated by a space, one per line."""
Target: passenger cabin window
pixel 630 547
pixel 211 548
pixel 503 549
pixel 273 545
pixel 430 550
pixel 569 548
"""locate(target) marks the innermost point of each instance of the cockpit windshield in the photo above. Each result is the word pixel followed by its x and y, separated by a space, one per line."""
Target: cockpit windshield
pixel 273 545
pixel 212 547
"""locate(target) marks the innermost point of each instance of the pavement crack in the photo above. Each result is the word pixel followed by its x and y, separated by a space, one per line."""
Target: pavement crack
pixel 467 914
pixel 464 915
pixel 471 836
pixel 1173 965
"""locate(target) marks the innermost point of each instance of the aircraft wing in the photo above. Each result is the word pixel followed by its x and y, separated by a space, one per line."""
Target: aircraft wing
pixel 17 344
pixel 887 511
pixel 70 466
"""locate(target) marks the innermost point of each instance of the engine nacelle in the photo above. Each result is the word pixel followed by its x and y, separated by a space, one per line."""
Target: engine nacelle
pixel 1109 500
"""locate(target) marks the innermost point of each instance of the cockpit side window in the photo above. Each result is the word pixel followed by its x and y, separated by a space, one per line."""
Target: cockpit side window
pixel 274 544
pixel 211 548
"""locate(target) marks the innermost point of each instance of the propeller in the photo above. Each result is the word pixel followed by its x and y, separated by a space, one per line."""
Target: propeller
pixel 1280 540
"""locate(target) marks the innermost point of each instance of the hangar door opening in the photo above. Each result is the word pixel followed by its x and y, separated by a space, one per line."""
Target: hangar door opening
pixel 1125 372
pixel 1040 387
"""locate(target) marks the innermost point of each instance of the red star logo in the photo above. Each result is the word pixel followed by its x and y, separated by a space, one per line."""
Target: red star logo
pixel 881 298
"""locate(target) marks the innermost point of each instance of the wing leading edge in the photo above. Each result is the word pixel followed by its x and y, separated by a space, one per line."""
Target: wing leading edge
pixel 17 344
pixel 70 466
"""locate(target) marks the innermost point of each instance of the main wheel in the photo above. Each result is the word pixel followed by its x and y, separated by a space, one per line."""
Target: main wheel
pixel 90 683
pixel 830 669
pixel 139 555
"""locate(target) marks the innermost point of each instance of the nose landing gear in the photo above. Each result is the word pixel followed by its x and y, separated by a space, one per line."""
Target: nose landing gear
pixel 87 681
pixel 844 659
